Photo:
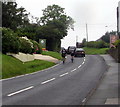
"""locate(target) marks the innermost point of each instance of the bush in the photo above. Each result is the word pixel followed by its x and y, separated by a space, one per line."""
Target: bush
pixel 25 46
pixel 14 44
pixel 97 44
pixel 10 41
pixel 117 42
pixel 36 47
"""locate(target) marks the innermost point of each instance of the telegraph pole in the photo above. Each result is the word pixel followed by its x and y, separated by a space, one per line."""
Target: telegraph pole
pixel 76 39
pixel 86 32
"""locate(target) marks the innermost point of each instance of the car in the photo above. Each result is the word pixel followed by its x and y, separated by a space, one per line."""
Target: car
pixel 62 48
pixel 79 52
pixel 70 49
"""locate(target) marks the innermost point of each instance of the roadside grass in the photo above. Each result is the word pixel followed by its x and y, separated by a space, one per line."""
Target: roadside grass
pixel 53 54
pixel 94 51
pixel 13 67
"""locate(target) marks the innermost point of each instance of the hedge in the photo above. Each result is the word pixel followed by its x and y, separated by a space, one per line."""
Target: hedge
pixel 10 41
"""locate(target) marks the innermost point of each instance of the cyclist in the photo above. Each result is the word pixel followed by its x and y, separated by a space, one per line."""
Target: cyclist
pixel 63 54
pixel 72 55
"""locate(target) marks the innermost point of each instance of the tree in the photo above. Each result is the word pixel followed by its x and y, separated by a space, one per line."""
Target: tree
pixel 55 25
pixel 84 41
pixel 106 37
pixel 30 31
pixel 13 17
pixel 55 13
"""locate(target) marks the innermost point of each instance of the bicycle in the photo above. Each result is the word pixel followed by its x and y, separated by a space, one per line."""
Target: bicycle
pixel 64 58
pixel 72 59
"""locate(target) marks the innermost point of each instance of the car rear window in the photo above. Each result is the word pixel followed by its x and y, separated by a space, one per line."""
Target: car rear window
pixel 79 49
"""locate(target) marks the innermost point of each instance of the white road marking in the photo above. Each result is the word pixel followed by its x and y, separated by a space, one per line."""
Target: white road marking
pixel 64 74
pixel 84 100
pixel 30 73
pixel 73 70
pixel 79 66
pixel 83 62
pixel 20 91
pixel 84 59
pixel 48 81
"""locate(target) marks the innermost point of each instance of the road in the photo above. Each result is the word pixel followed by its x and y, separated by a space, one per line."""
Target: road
pixel 63 84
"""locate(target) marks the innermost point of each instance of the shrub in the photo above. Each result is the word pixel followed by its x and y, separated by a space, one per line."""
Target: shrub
pixel 100 44
pixel 36 47
pixel 10 41
pixel 25 46
pixel 117 42
pixel 97 44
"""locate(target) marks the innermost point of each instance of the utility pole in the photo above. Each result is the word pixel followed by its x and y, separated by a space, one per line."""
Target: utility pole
pixel 76 39
pixel 86 32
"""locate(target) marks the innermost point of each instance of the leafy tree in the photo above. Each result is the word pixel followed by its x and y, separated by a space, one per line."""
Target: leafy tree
pixel 55 14
pixel 49 33
pixel 84 41
pixel 30 31
pixel 55 25
pixel 13 17
pixel 106 37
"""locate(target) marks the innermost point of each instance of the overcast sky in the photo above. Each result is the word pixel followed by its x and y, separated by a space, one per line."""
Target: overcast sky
pixel 96 13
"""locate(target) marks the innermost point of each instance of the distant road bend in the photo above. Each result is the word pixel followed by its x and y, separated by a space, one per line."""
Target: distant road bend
pixel 64 84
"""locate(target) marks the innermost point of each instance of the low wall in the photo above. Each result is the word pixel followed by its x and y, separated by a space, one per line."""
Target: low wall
pixel 115 53
pixel 22 57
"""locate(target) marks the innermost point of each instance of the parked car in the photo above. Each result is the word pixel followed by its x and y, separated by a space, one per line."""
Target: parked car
pixel 79 52
pixel 70 49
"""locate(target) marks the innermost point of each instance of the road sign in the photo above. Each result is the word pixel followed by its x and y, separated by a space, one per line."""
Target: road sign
pixel 43 43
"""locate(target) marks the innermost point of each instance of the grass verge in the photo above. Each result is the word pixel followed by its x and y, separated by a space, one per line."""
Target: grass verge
pixel 94 51
pixel 13 67
pixel 53 54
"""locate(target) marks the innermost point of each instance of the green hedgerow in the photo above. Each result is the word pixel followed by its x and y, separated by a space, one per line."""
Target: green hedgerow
pixel 10 41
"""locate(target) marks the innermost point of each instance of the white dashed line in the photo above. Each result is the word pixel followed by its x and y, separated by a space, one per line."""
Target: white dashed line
pixel 48 81
pixel 73 70
pixel 31 73
pixel 84 59
pixel 84 100
pixel 83 62
pixel 64 74
pixel 20 91
pixel 79 66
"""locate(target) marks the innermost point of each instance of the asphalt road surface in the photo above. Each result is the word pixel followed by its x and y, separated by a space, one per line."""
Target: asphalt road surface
pixel 63 84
